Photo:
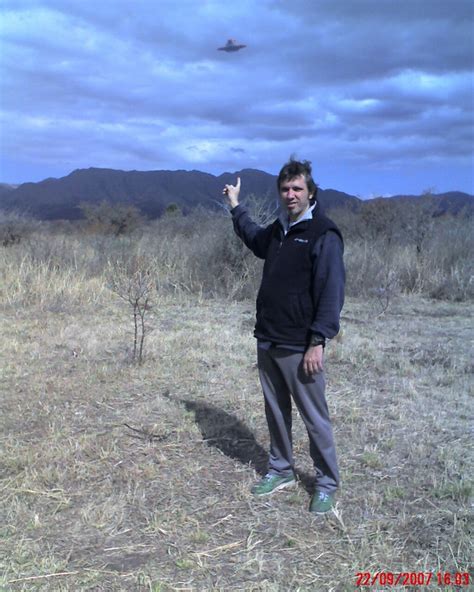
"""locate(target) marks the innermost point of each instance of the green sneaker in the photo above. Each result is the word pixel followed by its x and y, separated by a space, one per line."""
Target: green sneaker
pixel 321 502
pixel 271 483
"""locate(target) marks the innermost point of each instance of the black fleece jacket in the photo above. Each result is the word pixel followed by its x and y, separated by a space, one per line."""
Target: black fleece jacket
pixel 302 290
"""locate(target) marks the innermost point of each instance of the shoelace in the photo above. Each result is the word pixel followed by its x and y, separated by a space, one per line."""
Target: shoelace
pixel 323 496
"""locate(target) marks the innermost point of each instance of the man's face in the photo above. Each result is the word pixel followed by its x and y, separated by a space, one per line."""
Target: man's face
pixel 295 196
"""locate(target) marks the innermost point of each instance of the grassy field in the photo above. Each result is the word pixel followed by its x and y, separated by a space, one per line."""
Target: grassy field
pixel 136 478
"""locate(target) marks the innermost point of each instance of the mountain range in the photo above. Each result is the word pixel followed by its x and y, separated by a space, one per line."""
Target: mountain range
pixel 152 191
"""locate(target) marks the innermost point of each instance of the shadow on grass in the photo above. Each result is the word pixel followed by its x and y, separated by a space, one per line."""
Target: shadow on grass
pixel 233 438
pixel 228 434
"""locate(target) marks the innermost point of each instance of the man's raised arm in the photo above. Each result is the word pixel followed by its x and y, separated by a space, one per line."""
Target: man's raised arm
pixel 255 237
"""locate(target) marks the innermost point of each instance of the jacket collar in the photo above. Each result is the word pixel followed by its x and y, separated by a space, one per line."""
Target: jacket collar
pixel 308 215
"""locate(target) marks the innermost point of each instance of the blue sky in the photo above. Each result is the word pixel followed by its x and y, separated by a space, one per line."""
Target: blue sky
pixel 378 94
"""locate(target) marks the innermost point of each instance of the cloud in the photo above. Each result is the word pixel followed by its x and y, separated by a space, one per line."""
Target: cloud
pixel 141 85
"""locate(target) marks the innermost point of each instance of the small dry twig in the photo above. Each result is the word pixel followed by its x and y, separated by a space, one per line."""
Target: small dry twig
pixel 148 435
pixel 53 575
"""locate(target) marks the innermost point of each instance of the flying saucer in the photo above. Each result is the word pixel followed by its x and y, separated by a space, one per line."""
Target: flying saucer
pixel 231 45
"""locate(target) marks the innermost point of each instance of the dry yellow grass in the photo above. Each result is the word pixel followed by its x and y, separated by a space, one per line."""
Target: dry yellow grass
pixel 117 477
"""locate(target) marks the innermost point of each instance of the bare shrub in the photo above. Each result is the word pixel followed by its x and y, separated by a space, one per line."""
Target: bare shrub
pixel 448 264
pixel 372 271
pixel 200 253
pixel 403 247
pixel 15 228
pixel 108 218
pixel 135 285
pixel 377 221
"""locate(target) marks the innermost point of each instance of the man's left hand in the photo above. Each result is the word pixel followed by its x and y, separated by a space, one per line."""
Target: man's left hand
pixel 313 360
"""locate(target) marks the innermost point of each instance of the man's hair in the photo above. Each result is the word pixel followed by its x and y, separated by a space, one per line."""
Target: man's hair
pixel 294 168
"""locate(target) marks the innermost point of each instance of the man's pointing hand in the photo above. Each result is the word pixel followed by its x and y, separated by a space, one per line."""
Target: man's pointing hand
pixel 232 193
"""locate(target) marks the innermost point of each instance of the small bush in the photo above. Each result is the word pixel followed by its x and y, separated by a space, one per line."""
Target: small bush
pixel 108 218
pixel 14 228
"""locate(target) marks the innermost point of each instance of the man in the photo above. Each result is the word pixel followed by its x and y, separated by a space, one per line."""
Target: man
pixel 298 309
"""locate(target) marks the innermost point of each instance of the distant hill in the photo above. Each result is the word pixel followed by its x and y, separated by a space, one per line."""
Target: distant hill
pixel 6 188
pixel 453 201
pixel 152 191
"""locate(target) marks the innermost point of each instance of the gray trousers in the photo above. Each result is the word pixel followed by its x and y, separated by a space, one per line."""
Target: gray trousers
pixel 282 376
